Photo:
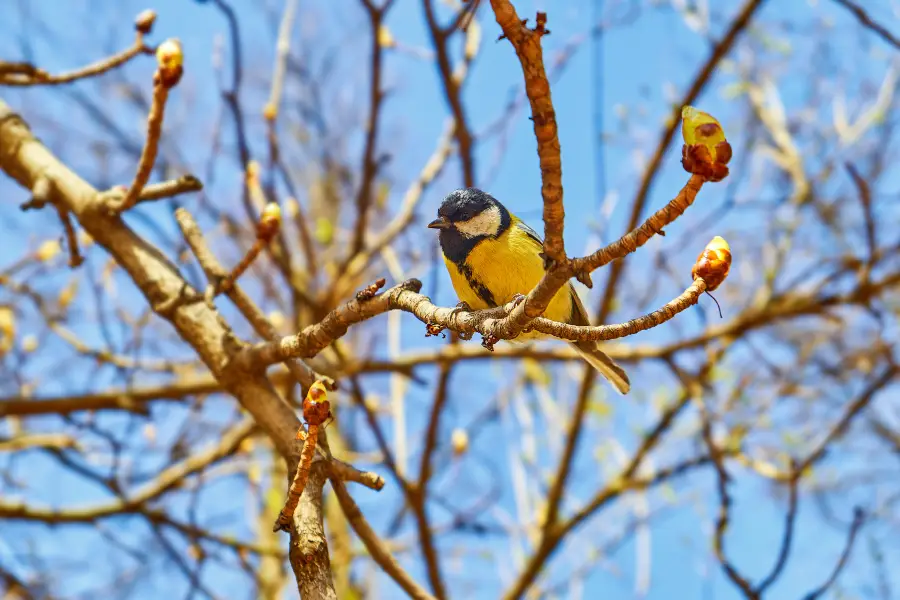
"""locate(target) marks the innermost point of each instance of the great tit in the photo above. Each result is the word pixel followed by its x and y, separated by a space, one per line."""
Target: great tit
pixel 492 256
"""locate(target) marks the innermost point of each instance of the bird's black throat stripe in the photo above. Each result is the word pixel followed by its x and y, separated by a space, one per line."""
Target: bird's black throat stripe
pixel 479 288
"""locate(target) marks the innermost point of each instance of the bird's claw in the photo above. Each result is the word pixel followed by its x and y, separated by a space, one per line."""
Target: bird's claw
pixel 517 299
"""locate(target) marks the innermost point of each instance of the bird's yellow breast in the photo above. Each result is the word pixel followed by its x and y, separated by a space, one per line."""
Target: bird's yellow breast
pixel 506 266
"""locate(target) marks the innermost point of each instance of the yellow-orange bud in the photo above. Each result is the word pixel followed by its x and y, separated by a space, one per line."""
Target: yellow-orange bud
pixel 316 408
pixel 252 172
pixel 48 250
pixel 317 392
pixel 269 221
pixel 706 152
pixel 385 38
pixel 698 127
pixel 459 441
pixel 713 263
pixel 170 59
pixel 271 213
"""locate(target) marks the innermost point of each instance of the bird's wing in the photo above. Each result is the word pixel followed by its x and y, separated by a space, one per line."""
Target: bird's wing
pixel 531 232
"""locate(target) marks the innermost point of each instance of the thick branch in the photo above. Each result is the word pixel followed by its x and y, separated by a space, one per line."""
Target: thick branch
pixel 26 160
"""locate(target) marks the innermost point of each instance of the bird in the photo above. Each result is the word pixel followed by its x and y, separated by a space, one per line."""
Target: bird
pixel 492 257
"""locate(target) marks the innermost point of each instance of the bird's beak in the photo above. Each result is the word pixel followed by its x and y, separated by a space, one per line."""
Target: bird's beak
pixel 440 223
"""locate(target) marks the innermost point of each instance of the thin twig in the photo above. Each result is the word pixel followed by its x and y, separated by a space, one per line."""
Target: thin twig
pixel 724 518
pixel 158 191
pixel 376 96
pixel 787 538
pixel 868 22
pixel 452 83
pixel 855 526
pixel 166 77
pixel 75 258
pixel 23 74
pixel 718 52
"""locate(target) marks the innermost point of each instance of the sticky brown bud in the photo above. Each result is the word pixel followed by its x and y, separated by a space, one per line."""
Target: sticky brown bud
pixel 144 21
pixel 316 408
pixel 705 151
pixel 713 263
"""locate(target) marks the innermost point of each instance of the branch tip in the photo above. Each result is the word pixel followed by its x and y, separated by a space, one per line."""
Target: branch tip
pixel 143 23
pixel 368 292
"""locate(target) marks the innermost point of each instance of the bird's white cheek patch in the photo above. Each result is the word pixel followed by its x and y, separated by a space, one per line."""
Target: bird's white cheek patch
pixel 484 223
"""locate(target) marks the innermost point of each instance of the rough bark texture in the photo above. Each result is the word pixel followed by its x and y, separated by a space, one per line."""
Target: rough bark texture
pixel 309 548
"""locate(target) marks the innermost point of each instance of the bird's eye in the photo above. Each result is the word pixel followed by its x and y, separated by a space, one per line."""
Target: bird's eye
pixel 466 216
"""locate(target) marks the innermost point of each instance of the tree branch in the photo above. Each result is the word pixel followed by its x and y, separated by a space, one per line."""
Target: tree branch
pixel 527 43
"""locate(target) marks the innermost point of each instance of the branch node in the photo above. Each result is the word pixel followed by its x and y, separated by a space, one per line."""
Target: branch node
pixel 369 292
pixel 585 278
pixel 488 341
pixel 540 24
pixel 434 330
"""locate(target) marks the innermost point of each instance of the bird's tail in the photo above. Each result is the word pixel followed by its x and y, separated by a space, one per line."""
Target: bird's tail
pixel 598 359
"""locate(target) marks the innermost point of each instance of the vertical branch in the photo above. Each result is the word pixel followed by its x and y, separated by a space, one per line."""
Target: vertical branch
pixel 527 43
pixel 858 520
pixel 170 59
pixel 419 500
pixel 309 547
pixel 316 410
pixel 376 95
pixel 452 84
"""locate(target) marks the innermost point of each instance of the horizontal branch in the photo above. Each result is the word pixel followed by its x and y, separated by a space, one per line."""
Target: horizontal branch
pixel 134 399
pixel 23 75
pixel 168 479
pixel 157 191
pixel 564 331
pixel 489 323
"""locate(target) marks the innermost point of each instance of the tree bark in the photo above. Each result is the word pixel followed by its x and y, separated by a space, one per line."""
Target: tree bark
pixel 309 547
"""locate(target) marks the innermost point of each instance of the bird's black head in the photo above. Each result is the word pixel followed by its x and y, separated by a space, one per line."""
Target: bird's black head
pixel 465 218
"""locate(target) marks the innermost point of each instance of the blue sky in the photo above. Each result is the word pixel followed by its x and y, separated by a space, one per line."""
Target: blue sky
pixel 646 65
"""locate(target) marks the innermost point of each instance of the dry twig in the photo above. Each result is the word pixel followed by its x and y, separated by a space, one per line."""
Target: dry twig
pixel 316 410
pixel 170 60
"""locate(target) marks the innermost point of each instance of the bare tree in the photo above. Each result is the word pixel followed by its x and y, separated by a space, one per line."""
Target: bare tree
pixel 208 335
